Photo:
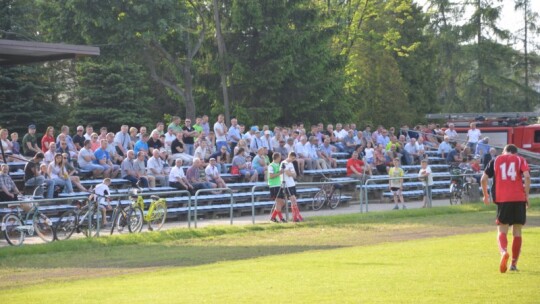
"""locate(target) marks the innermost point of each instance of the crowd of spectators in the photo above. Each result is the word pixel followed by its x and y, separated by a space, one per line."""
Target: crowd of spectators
pixel 151 158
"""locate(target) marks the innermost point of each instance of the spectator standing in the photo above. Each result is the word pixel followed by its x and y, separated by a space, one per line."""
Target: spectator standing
pixel 234 134
pixel 396 183
pixel 426 176
pixel 473 137
pixel 220 129
pixel 189 137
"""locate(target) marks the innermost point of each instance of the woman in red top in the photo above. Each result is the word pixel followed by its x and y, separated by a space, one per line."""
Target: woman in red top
pixel 355 167
pixel 47 139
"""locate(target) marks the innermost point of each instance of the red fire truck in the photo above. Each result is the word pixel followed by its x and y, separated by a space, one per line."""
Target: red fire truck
pixel 518 128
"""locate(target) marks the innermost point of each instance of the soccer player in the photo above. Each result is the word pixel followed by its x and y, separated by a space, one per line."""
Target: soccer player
pixel 512 198
pixel 276 192
pixel 396 174
pixel 288 176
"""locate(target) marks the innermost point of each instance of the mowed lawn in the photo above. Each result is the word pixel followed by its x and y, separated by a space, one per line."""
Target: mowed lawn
pixel 442 255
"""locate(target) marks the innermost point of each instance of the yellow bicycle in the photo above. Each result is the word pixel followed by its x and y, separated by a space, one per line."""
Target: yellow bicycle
pixel 155 216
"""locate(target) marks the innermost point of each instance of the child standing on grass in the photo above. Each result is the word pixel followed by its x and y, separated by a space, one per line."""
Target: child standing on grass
pixel 396 183
pixel 427 178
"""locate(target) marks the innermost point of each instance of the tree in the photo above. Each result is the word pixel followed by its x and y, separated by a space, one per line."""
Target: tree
pixel 104 86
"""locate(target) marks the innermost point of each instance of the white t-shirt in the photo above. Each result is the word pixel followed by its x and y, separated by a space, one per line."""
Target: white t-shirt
pixel 474 135
pixel 429 178
pixel 221 128
pixel 369 152
pixel 102 191
pixel 289 180
pixel 452 134
pixel 176 173
pixel 211 171
pixel 83 153
pixel 156 164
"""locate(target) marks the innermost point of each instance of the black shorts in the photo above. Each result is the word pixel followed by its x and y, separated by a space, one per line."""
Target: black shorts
pixel 394 189
pixel 511 213
pixel 275 192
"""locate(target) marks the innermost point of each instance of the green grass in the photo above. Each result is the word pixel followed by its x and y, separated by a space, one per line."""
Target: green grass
pixel 388 257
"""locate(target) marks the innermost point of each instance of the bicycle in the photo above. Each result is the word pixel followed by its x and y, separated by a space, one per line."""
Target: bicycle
pixel 15 226
pixel 86 219
pixel 460 186
pixel 328 194
pixel 129 217
pixel 156 214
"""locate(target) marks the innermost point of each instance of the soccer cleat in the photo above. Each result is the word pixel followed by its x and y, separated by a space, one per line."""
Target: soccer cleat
pixel 403 207
pixel 513 268
pixel 396 207
pixel 274 220
pixel 504 262
pixel 283 220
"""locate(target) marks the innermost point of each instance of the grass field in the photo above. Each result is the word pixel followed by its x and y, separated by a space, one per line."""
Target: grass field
pixel 439 255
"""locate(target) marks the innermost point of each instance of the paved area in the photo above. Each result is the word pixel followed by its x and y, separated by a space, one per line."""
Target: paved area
pixel 353 207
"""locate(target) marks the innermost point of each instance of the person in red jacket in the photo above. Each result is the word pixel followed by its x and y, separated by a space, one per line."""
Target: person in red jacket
pixel 511 195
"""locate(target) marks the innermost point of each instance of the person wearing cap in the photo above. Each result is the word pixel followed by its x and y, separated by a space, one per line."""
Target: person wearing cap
pixel 250 133
pixel 213 175
pixel 30 147
pixel 33 177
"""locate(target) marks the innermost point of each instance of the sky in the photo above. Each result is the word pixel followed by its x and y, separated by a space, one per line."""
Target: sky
pixel 511 19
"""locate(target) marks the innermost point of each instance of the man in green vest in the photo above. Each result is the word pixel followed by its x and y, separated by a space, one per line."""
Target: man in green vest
pixel 274 183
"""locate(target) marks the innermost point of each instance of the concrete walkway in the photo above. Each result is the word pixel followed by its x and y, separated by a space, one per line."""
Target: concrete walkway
pixel 353 207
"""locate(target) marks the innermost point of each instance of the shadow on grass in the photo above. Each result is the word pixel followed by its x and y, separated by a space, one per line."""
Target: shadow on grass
pixel 153 255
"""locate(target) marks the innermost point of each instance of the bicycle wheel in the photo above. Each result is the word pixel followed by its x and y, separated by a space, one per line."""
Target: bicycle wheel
pixel 11 225
pixel 335 199
pixel 159 215
pixel 66 225
pixel 135 218
pixel 319 199
pixel 120 221
pixel 92 224
pixel 43 227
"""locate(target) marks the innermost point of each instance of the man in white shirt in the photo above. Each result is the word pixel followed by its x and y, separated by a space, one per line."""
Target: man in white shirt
pixel 170 136
pixel 102 196
pixel 156 168
pixel 451 133
pixel 289 174
pixel 445 147
pixel 220 129
pixel 177 178
pixel 86 160
pixel 473 137
pixel 212 174
pixel 122 141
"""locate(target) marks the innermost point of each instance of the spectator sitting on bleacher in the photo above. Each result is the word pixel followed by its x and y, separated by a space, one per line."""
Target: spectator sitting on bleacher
pixel 87 158
pixel 8 189
pixel 89 131
pixel 193 175
pixel 58 173
pixel 244 169
pixel 380 159
pixel 482 148
pixel 202 152
pixel 141 145
pixel 222 158
pixel 102 133
pixel 356 167
pixel 454 156
pixel 6 145
pixel 315 154
pixel 445 147
pixel 421 148
pixel 177 178
pixel 133 137
pixel 349 145
pixel 170 136
pixel 33 177
pixel 129 172
pixel 16 146
pixel 78 139
pixel 113 151
pixel 260 162
pixel 213 175
pixel 72 172
pixel 178 152
pixel 489 156
pixel 63 148
pixel 412 151
pixel 156 168
pixel 326 153
pixel 49 155
pixel 369 153
pixel 103 158
pixel 47 139
pixel 139 165
pixel 29 142
pixel 94 142
pixel 64 135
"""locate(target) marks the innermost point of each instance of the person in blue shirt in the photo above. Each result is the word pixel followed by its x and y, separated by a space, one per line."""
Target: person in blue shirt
pixel 103 158
pixel 141 145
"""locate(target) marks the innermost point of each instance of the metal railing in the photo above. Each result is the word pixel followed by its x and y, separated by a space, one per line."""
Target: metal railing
pixel 211 190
